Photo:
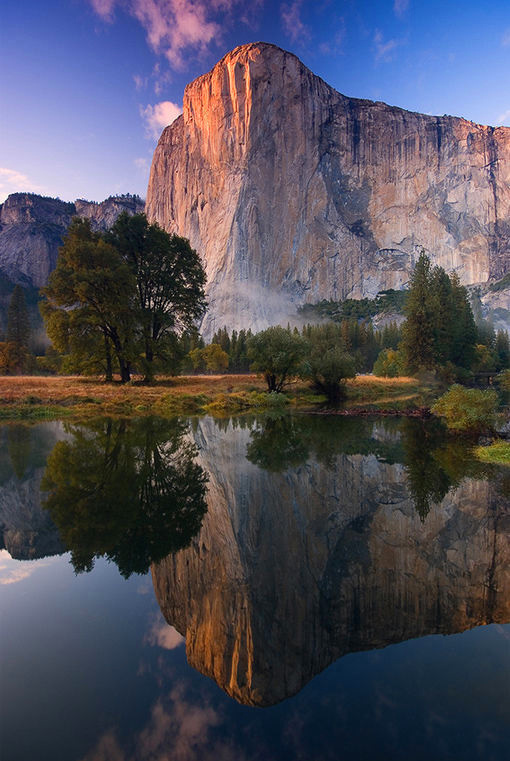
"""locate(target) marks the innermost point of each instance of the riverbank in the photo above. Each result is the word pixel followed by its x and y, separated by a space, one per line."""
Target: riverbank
pixel 30 397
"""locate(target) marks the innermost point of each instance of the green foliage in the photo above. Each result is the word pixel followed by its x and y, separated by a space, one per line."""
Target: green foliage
pixel 89 306
pixel 327 363
pixel 419 330
pixel 502 350
pixel 498 453
pixel 440 328
pixel 500 285
pixel 169 280
pixel 467 410
pixel 211 358
pixel 126 490
pixel 277 354
pixel 15 354
pixel 126 295
pixel 389 364
pixel 386 302
pixel 503 380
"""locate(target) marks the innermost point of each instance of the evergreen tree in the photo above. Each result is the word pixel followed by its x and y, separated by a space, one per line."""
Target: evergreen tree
pixel 18 330
pixel 464 334
pixel 441 296
pixel 419 332
pixel 502 349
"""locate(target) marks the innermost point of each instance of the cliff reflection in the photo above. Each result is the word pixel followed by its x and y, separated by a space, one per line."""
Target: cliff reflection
pixel 129 490
pixel 26 530
pixel 328 536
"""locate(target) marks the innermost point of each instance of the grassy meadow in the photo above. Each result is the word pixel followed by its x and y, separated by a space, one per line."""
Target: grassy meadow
pixel 32 397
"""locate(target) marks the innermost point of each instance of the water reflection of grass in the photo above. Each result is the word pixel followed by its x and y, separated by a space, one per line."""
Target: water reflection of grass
pixel 498 453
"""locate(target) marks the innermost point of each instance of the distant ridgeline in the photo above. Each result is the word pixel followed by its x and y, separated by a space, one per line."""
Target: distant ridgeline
pixel 31 231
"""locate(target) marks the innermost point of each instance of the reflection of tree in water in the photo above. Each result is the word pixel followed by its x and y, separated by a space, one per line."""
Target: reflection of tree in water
pixel 19 438
pixel 126 489
pixel 288 441
pixel 434 461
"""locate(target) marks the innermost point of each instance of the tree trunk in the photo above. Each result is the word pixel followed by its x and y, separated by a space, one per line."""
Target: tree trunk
pixel 108 357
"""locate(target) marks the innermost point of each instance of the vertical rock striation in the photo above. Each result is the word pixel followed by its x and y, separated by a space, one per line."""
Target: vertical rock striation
pixel 292 570
pixel 293 192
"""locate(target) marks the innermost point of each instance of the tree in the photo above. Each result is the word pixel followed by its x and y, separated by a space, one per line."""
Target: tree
pixel 169 280
pixel 389 364
pixel 464 333
pixel 327 363
pixel 89 300
pixel 502 349
pixel 18 331
pixel 277 354
pixel 216 360
pixel 418 330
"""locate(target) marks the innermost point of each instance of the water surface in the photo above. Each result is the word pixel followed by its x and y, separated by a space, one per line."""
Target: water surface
pixel 287 588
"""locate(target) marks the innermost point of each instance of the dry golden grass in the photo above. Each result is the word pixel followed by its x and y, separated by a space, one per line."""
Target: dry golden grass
pixel 29 396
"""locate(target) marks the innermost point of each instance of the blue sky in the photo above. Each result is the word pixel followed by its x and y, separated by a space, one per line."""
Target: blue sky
pixel 87 85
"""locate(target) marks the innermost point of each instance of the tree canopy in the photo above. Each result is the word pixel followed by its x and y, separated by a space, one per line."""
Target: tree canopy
pixel 123 294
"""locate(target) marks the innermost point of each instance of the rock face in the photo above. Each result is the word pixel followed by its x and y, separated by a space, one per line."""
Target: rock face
pixel 26 529
pixel 32 228
pixel 293 192
pixel 292 570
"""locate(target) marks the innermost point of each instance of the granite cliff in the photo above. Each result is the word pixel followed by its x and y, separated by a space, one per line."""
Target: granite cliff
pixel 32 228
pixel 293 192
pixel 293 569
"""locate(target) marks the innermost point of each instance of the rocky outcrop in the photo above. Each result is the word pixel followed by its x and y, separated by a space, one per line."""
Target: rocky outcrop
pixel 32 228
pixel 293 192
pixel 292 570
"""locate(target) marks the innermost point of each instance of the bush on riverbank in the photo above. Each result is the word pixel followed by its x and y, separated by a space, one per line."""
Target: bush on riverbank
pixel 467 410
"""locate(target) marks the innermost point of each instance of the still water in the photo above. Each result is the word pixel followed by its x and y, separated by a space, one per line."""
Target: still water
pixel 299 587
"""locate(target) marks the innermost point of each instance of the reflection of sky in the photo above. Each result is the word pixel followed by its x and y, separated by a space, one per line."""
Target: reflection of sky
pixel 93 673
pixel 13 571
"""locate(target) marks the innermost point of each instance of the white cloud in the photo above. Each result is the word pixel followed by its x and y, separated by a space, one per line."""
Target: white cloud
pixel 400 7
pixel 104 8
pixel 504 118
pixel 165 636
pixel 12 181
pixel 13 571
pixel 159 116
pixel 505 40
pixel 293 26
pixel 140 82
pixel 175 26
pixel 384 49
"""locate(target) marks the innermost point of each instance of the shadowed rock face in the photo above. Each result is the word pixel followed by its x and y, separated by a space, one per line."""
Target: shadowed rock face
pixel 32 228
pixel 293 192
pixel 26 529
pixel 292 570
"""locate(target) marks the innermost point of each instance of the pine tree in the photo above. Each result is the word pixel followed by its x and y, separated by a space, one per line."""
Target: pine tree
pixel 18 329
pixel 464 333
pixel 444 307
pixel 418 331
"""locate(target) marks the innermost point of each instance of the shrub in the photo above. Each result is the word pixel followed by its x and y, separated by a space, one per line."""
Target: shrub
pixel 467 410
pixel 389 364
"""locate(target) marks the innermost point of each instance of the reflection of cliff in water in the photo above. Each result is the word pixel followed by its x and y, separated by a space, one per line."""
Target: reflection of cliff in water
pixel 294 568
pixel 26 529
